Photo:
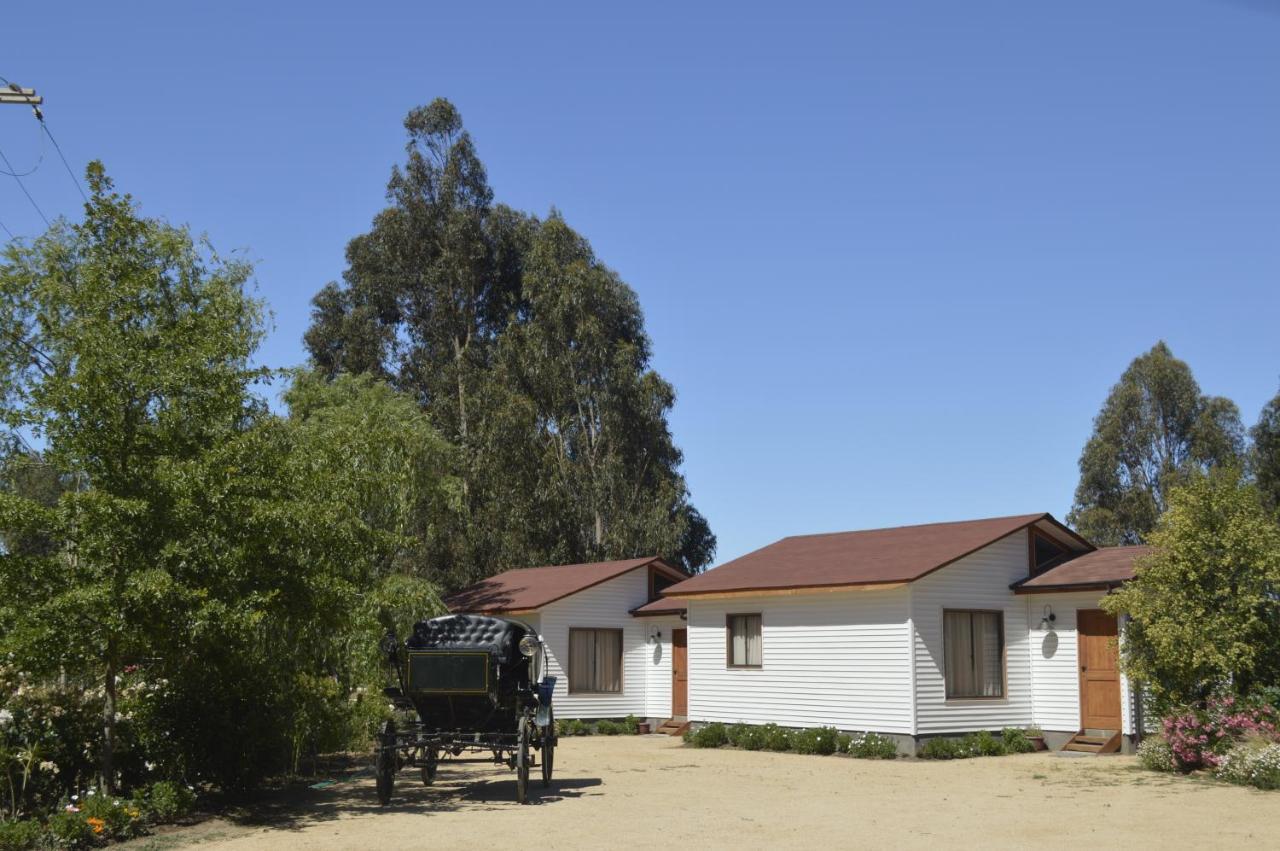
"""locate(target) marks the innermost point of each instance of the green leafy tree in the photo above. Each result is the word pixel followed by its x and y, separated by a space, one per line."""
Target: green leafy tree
pixel 1265 456
pixel 457 300
pixel 1204 606
pixel 125 344
pixel 1154 429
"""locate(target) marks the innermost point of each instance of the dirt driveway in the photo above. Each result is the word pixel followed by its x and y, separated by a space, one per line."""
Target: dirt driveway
pixel 627 792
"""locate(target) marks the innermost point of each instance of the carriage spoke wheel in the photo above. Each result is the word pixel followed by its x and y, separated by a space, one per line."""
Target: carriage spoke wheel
pixel 385 762
pixel 522 762
pixel 429 765
pixel 548 748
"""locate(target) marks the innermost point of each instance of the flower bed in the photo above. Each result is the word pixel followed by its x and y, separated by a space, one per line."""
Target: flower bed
pixel 1237 740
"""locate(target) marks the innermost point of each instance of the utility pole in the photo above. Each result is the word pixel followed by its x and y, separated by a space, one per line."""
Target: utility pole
pixel 13 93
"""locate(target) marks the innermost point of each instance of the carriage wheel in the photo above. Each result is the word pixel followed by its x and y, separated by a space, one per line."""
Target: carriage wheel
pixel 429 765
pixel 385 762
pixel 548 747
pixel 522 762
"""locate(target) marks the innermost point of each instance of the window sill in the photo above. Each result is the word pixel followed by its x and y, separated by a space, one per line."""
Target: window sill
pixel 971 701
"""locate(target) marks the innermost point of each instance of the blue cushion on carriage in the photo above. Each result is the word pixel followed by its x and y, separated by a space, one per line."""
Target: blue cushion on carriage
pixel 546 689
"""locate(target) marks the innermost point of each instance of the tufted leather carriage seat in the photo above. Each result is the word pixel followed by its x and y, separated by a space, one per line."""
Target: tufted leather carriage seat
pixel 470 632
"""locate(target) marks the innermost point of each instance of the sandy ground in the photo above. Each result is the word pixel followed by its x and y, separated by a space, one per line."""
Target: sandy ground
pixel 630 792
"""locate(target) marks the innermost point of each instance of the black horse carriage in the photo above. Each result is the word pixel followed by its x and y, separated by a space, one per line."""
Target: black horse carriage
pixel 469 683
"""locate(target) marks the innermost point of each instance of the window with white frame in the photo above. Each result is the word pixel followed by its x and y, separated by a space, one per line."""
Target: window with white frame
pixel 743 637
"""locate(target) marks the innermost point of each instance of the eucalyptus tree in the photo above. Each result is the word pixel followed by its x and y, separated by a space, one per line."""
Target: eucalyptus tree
pixel 501 325
pixel 1155 427
pixel 1265 455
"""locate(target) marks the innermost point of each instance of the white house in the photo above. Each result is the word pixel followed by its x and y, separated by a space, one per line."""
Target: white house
pixel 914 632
pixel 911 632
pixel 607 661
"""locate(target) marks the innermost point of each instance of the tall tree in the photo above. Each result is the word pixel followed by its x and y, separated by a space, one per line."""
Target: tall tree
pixel 125 347
pixel 1154 428
pixel 1204 610
pixel 485 315
pixel 1265 456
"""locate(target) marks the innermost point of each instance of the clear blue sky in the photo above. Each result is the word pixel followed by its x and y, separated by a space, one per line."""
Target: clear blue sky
pixel 892 255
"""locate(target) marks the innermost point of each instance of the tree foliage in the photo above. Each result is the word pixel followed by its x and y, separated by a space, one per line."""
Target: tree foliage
pixel 214 575
pixel 1265 456
pixel 1154 429
pixel 1205 614
pixel 526 352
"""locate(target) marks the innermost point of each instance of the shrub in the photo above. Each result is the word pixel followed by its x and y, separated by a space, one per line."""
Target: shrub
pixel 71 829
pixel 941 749
pixel 166 801
pixel 631 725
pixel 1016 741
pixel 844 743
pixel 611 728
pixel 982 743
pixel 752 737
pixel 20 835
pixel 1156 754
pixel 713 735
pixel 1252 763
pixel 815 740
pixel 872 746
pixel 1201 736
pixel 573 727
pixel 776 738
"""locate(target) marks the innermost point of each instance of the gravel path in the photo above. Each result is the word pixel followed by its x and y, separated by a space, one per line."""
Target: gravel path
pixel 629 792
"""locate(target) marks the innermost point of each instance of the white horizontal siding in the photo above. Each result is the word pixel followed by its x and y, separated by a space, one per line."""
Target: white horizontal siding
pixel 977 581
pixel 607 606
pixel 839 658
pixel 1055 661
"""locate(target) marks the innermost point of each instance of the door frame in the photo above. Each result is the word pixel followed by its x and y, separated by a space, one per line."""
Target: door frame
pixel 1080 673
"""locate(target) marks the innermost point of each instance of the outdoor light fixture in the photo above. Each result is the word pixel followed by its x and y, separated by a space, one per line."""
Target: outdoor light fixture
pixel 528 646
pixel 655 636
pixel 1046 622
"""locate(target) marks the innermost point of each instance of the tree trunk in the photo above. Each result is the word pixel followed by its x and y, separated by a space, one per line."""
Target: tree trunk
pixel 109 720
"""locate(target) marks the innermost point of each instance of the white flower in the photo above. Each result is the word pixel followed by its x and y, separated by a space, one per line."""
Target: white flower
pixel 49 767
pixel 6 718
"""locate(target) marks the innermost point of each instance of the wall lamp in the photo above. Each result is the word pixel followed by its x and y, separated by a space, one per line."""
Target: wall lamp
pixel 1046 622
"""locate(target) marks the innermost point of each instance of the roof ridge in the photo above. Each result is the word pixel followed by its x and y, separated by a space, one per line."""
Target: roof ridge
pixel 1041 514
pixel 575 564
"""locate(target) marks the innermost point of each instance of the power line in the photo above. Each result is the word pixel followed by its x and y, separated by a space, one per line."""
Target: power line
pixel 23 187
pixel 33 169
pixel 6 230
pixel 65 164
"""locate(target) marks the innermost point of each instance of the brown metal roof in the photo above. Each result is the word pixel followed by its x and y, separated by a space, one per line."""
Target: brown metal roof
pixel 534 587
pixel 871 557
pixel 660 606
pixel 1099 569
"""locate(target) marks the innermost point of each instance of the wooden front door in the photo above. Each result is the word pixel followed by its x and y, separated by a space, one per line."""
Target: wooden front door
pixel 1096 633
pixel 679 673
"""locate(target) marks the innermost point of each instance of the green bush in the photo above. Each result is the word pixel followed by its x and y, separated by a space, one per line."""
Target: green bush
pixel 815 740
pixel 631 725
pixel 844 743
pixel 871 746
pixel 1016 741
pixel 1252 763
pixel 752 738
pixel 166 801
pixel 776 738
pixel 573 727
pixel 714 735
pixel 941 749
pixel 71 830
pixel 1155 753
pixel 982 743
pixel 612 728
pixel 20 835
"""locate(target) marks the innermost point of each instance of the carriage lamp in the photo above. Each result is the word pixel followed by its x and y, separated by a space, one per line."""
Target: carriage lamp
pixel 1046 622
pixel 655 636
pixel 529 646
